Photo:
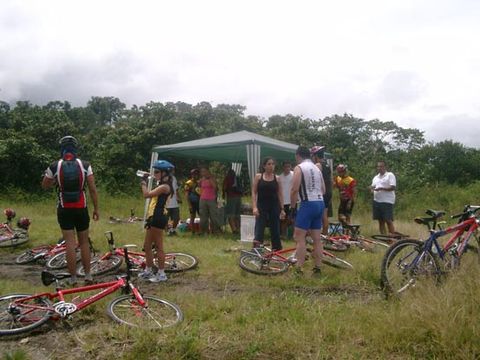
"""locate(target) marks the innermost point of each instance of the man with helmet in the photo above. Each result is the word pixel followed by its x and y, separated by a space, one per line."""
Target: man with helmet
pixel 70 174
pixel 347 188
pixel 157 218
pixel 317 153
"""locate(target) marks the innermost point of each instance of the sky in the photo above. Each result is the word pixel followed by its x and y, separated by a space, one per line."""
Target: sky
pixel 416 63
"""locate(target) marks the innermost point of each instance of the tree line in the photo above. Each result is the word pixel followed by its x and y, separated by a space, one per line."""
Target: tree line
pixel 118 140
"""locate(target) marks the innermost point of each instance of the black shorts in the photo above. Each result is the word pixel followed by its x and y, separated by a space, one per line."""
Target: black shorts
pixel 382 211
pixel 73 219
pixel 345 207
pixel 159 222
pixel 174 214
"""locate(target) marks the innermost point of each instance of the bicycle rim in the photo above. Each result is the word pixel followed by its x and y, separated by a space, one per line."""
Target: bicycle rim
pixel 401 270
pixel 25 258
pixel 178 262
pixel 333 245
pixel 14 242
pixel 59 261
pixel 371 245
pixel 262 266
pixel 157 314
pixel 24 316
pixel 102 266
pixel 336 262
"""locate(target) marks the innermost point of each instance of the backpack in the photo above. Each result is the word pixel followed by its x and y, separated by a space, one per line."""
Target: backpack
pixel 70 180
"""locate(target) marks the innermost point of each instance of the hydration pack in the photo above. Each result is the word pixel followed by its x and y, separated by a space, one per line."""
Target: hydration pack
pixel 70 178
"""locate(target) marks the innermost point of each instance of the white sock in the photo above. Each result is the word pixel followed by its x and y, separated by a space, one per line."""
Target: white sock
pixel 148 269
pixel 88 276
pixel 161 271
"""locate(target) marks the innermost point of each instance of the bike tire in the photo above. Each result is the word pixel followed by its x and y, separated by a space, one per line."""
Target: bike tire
pixel 262 266
pixel 159 314
pixel 102 266
pixel 397 274
pixel 333 245
pixel 371 245
pixel 14 242
pixel 26 318
pixel 336 262
pixel 59 261
pixel 28 256
pixel 179 262
pixel 389 239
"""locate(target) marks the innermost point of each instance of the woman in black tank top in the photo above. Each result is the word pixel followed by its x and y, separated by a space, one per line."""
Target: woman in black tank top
pixel 267 201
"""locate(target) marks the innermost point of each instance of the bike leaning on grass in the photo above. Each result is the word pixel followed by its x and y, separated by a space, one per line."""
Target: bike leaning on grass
pixel 21 313
pixel 408 261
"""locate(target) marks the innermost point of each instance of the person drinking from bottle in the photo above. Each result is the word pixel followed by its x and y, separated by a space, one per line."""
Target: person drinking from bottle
pixel 308 185
pixel 157 219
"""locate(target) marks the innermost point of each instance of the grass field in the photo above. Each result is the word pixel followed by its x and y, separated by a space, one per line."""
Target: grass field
pixel 231 314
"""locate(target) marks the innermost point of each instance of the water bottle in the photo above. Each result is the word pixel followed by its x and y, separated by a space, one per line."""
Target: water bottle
pixel 141 173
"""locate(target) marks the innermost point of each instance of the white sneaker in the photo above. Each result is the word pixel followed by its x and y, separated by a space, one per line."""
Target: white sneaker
pixel 158 278
pixel 145 275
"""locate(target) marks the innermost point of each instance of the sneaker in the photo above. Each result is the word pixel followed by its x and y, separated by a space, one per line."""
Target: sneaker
pixel 145 275
pixel 292 259
pixel 158 278
pixel 316 271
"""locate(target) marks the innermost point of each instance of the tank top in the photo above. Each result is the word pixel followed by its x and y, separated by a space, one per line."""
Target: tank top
pixel 267 193
pixel 311 186
pixel 157 203
pixel 209 192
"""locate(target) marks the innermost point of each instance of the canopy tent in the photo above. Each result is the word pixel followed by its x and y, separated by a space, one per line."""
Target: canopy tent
pixel 237 147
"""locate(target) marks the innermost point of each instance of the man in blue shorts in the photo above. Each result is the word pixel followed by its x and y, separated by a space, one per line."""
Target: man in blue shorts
pixel 308 185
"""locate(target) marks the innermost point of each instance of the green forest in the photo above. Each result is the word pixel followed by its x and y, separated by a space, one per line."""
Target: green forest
pixel 118 141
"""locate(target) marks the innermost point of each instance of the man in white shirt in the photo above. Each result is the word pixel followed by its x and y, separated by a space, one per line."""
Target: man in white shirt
pixel 383 189
pixel 285 178
pixel 173 206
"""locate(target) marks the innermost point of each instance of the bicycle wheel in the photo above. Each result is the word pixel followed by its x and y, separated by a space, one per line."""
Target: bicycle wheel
pixel 178 262
pixel 371 245
pixel 21 317
pixel 100 266
pixel 334 245
pixel 59 261
pixel 389 239
pixel 14 241
pixel 156 314
pixel 336 262
pixel 29 255
pixel 262 266
pixel 401 268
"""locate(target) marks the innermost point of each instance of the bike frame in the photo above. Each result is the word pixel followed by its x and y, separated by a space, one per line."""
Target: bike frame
pixel 278 254
pixel 6 228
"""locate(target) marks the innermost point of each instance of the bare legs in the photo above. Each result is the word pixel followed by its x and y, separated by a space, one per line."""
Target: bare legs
pixel 301 252
pixel 154 236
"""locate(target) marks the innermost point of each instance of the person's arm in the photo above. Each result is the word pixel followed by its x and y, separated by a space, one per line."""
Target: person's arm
pixel 92 189
pixel 162 189
pixel 297 178
pixel 280 197
pixel 255 194
pixel 48 180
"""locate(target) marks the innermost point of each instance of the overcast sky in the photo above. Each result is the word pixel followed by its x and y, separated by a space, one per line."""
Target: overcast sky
pixel 416 63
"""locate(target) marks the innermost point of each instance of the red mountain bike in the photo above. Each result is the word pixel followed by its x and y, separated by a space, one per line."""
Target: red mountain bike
pixel 11 237
pixel 112 260
pixel 21 313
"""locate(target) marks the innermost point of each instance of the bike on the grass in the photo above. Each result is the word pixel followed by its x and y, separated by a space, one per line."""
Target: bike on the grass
pixel 12 237
pixel 41 253
pixel 130 220
pixel 264 261
pixel 348 237
pixel 112 260
pixel 408 261
pixel 21 313
pixel 58 260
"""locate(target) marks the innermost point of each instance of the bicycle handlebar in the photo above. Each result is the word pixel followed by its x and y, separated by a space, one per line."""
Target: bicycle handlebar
pixel 468 210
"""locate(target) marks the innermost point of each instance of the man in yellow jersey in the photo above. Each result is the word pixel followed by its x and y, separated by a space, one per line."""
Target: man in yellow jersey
pixel 346 185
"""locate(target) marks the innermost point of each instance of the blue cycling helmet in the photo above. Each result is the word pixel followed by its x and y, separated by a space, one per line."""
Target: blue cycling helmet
pixel 163 165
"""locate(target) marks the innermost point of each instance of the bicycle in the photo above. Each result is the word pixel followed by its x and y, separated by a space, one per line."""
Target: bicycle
pixel 40 253
pixel 112 260
pixel 264 261
pixel 391 238
pixel 59 260
pixel 130 220
pixel 12 237
pixel 22 313
pixel 351 237
pixel 410 260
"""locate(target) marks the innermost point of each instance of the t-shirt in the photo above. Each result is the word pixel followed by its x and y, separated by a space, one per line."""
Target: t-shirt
pixel 286 181
pixel 53 172
pixel 312 186
pixel 346 185
pixel 209 192
pixel 384 181
pixel 173 201
pixel 229 187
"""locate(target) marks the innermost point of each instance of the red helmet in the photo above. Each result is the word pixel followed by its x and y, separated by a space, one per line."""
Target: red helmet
pixel 23 223
pixel 9 213
pixel 317 150
pixel 341 168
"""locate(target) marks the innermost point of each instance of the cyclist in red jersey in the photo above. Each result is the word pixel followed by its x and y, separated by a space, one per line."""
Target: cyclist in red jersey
pixel 347 186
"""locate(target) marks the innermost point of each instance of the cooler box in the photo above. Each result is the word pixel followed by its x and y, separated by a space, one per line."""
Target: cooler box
pixel 247 227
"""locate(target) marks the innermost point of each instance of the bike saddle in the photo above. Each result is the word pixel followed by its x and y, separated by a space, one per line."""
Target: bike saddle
pixel 435 213
pixel 48 277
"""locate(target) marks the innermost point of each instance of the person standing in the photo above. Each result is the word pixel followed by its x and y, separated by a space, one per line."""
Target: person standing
pixel 173 208
pixel 318 156
pixel 192 194
pixel 347 187
pixel 208 202
pixel 383 188
pixel 232 193
pixel 70 174
pixel 308 185
pixel 157 219
pixel 267 204
pixel 285 179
